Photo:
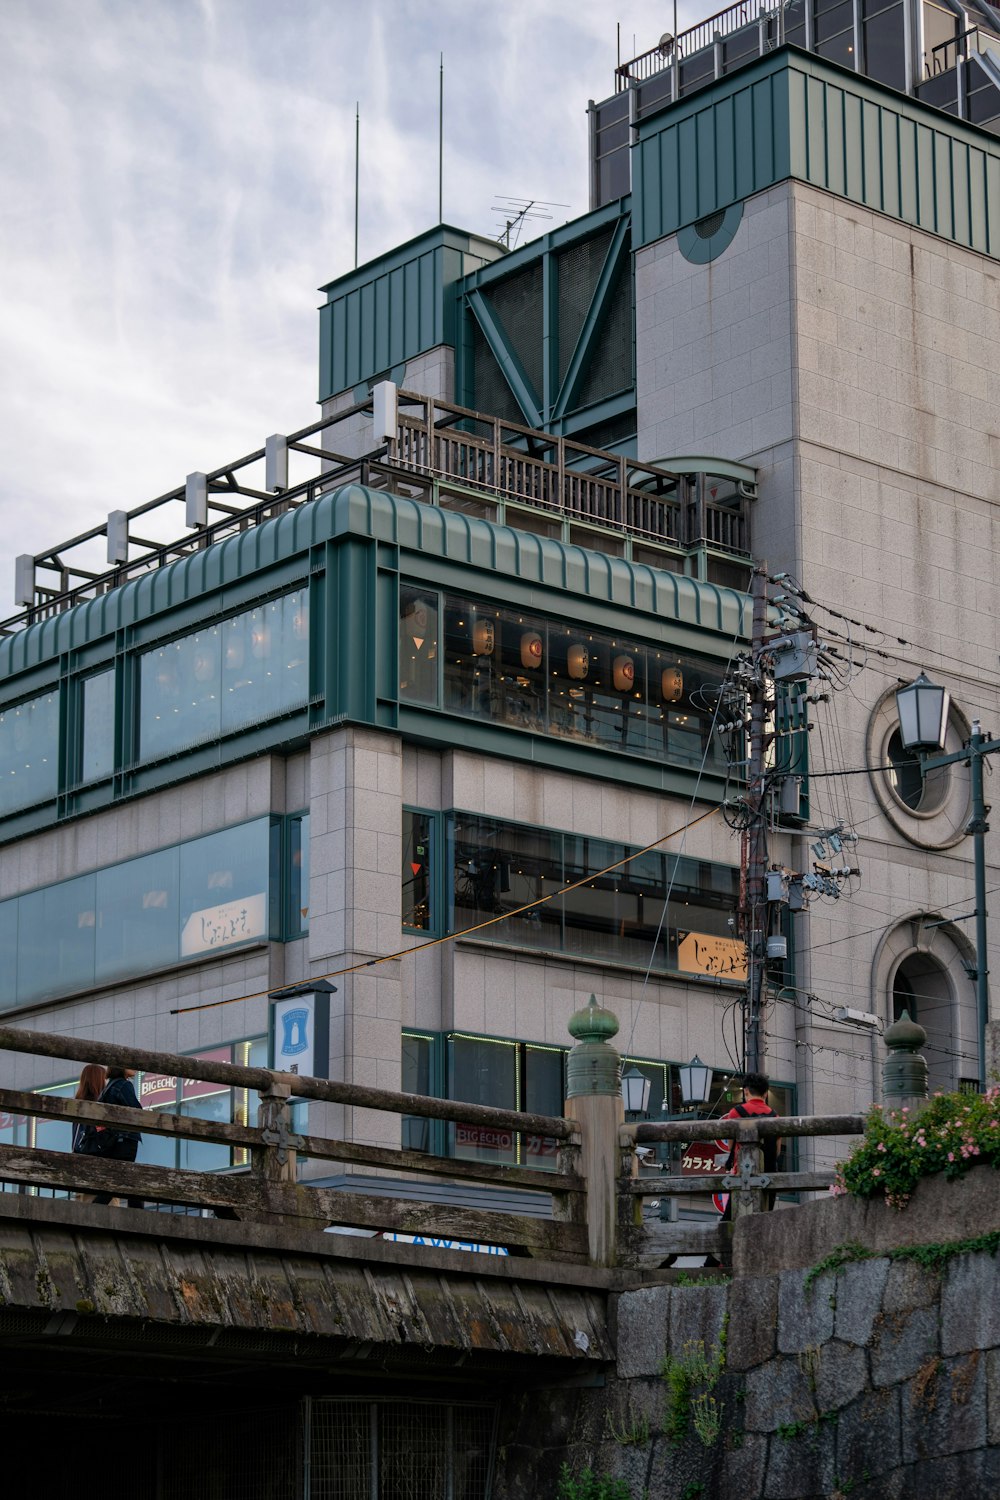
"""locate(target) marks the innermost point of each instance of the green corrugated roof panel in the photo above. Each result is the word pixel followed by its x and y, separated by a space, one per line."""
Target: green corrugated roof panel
pixel 418 530
pixel 395 306
pixel 790 114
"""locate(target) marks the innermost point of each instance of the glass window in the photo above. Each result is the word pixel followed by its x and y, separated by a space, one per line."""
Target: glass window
pixel 138 926
pixel 499 868
pixel 56 939
pixel 940 26
pixel 509 1075
pixel 834 31
pixel 297 924
pixel 97 751
pixel 8 953
pixel 418 646
pixel 883 32
pixel 581 684
pixel 418 1078
pixel 197 1099
pixel 223 677
pixel 225 884
pixel 54 1135
pixel 418 871
pixel 29 752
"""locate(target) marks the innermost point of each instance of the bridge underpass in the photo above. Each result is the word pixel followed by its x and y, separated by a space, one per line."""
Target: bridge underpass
pixel 222 1358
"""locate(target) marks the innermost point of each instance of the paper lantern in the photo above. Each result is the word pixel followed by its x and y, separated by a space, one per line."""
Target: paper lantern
pixel 531 649
pixel 623 673
pixel 578 662
pixel 484 638
pixel 672 684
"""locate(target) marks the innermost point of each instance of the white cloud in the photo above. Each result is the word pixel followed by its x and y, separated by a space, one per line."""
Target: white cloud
pixel 178 179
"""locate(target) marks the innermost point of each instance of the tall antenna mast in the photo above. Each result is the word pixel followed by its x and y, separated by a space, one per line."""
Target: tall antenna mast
pixel 441 143
pixel 357 153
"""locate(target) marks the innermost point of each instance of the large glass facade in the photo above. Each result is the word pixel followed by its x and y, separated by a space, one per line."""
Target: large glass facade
pixel 588 686
pixel 659 910
pixel 509 1075
pixel 223 677
pixel 29 752
pixel 207 896
pixel 200 1100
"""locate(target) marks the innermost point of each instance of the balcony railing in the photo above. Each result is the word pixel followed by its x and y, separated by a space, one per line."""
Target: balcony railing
pixel 441 454
pixel 717 28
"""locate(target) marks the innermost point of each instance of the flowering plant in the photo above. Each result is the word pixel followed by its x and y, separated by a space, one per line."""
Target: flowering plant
pixel 953 1133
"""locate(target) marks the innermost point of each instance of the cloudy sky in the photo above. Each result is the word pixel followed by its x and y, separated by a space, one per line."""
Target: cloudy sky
pixel 177 180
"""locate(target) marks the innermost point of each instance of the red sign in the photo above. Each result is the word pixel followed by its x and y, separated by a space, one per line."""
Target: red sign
pixel 485 1137
pixel 703 1157
pixel 158 1089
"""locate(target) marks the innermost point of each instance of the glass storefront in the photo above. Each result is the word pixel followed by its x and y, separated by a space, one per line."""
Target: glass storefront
pixel 207 896
pixel 618 916
pixel 197 1099
pixel 224 677
pixel 583 685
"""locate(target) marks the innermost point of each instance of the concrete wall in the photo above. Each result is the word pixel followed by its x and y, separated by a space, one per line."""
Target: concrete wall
pixel 877 1381
pixel 856 362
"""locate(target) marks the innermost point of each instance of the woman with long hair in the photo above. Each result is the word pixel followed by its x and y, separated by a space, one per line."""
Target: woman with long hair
pixel 91 1086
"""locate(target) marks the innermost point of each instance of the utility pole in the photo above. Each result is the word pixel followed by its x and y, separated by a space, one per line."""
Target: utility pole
pixel 754 910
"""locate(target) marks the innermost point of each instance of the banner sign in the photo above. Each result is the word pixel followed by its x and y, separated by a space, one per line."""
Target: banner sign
pixel 299 1035
pixel 702 953
pixel 218 926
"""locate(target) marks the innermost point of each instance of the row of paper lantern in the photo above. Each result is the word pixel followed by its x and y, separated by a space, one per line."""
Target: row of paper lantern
pixel 577 661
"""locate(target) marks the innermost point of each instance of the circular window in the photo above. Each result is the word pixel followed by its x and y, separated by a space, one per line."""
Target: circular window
pixel 923 792
pixel 931 808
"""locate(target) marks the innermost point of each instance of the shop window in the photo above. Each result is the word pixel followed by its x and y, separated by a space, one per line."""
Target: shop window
pixel 211 895
pixel 504 870
pixel 29 752
pixel 419 1076
pixel 506 1074
pixel 223 677
pixel 297 876
pixel 508 667
pixel 195 1098
pixel 418 646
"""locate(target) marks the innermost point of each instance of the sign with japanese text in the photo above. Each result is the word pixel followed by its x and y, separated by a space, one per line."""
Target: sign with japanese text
pixel 703 953
pixel 218 926
pixel 158 1089
pixel 299 1034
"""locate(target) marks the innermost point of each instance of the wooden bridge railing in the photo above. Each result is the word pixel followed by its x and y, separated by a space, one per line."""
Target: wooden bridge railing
pixel 584 1197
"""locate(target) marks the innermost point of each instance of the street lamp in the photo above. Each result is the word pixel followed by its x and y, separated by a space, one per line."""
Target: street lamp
pixel 695 1079
pixel 635 1091
pixel 923 723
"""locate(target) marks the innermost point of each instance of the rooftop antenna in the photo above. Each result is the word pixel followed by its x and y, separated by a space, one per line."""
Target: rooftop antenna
pixel 515 213
pixel 357 153
pixel 441 143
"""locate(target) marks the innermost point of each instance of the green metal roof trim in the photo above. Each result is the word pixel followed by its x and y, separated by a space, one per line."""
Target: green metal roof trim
pixel 407 524
pixel 394 307
pixel 791 114
pixel 570 233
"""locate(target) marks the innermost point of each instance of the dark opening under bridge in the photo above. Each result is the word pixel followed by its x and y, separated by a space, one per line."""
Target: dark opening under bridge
pixel 231 1346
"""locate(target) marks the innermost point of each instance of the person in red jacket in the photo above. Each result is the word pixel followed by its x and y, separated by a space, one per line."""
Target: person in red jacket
pixel 755 1087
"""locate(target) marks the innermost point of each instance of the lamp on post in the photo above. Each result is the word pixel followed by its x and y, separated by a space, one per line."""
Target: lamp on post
pixel 923 723
pixel 695 1079
pixel 635 1091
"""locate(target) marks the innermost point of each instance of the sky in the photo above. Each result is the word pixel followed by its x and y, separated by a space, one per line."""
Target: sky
pixel 177 181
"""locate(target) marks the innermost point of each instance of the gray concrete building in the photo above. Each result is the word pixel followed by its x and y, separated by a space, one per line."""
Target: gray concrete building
pixel 436 696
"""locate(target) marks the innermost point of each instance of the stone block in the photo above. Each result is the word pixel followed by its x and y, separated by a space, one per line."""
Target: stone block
pixel 697 1314
pixel 961 1476
pixel 841 1374
pixel 944 1408
pixel 643 1321
pixel 868 1440
pixel 970 1306
pixel 802 1465
pixel 909 1286
pixel 902 1344
pixel 993 1398
pixel 805 1314
pixel 858 1292
pixel 778 1394
pixel 742 1469
pixel 753 1317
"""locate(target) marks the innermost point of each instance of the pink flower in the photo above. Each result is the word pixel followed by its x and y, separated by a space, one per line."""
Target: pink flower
pixel 951 1156
pixel 877 1172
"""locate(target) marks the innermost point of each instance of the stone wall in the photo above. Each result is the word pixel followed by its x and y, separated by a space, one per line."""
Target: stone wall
pixel 877 1380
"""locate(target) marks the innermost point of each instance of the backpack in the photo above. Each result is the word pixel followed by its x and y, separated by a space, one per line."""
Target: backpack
pixel 769 1142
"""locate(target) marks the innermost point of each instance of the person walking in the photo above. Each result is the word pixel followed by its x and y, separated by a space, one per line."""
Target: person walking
pixel 122 1145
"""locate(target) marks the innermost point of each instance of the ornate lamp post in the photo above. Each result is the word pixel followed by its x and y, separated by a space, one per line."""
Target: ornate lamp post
pixel 695 1079
pixel 923 723
pixel 635 1091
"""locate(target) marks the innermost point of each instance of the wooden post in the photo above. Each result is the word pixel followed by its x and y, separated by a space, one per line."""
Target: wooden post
pixel 275 1161
pixel 593 1099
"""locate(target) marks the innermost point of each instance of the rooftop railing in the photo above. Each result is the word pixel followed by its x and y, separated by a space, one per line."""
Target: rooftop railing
pixel 441 454
pixel 705 34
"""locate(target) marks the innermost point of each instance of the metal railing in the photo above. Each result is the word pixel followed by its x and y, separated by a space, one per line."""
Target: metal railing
pixel 438 448
pixel 723 24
